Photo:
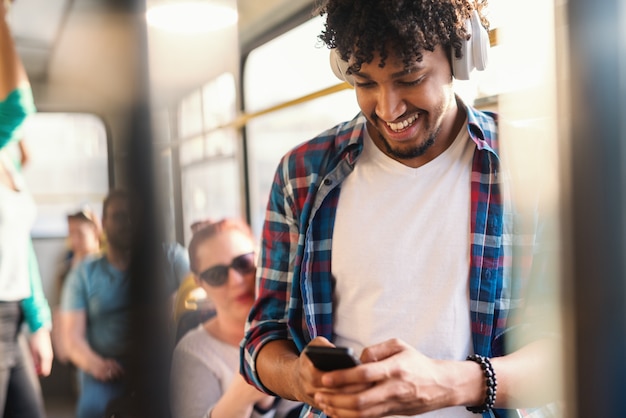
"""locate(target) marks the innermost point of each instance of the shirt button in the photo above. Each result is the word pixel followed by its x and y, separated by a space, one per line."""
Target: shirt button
pixel 328 182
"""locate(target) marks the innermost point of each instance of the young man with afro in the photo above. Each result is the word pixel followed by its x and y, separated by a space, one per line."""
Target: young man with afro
pixel 390 234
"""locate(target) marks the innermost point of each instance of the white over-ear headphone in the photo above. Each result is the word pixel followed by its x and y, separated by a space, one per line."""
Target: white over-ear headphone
pixel 475 51
pixel 340 67
pixel 475 54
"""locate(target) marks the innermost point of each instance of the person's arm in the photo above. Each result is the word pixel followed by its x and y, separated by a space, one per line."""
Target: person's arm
pixel 267 321
pixel 73 328
pixel 395 379
pixel 40 344
pixel 282 370
pixel 12 72
pixel 526 377
pixel 16 98
pixel 36 308
pixel 74 331
pixel 38 317
pixel 24 152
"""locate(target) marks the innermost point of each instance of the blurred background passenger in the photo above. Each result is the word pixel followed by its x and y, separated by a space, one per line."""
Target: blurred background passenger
pixel 20 394
pixel 95 312
pixel 191 305
pixel 84 231
pixel 176 268
pixel 205 379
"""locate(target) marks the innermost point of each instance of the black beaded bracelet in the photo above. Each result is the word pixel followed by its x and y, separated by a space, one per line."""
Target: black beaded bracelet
pixel 492 384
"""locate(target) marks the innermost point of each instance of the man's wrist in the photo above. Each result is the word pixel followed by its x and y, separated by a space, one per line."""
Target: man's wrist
pixel 465 382
pixel 276 369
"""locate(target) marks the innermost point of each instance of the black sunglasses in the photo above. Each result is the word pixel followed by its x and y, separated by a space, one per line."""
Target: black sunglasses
pixel 218 275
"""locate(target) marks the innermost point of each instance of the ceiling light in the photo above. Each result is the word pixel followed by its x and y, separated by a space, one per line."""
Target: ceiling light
pixel 191 16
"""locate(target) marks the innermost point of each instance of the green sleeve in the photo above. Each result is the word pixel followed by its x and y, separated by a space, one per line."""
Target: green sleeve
pixel 14 110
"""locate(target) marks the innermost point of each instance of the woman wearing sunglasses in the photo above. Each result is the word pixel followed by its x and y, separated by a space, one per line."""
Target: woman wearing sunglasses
pixel 205 377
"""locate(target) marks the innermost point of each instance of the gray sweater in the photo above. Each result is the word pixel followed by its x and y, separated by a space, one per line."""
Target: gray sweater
pixel 202 368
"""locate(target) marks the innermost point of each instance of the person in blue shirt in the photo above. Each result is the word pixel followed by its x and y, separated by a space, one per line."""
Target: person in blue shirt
pixel 95 315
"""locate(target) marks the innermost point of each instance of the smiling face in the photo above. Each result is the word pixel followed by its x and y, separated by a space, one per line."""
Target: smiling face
pixel 412 112
pixel 234 298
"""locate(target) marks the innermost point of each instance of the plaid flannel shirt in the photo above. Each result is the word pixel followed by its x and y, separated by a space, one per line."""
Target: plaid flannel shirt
pixel 294 280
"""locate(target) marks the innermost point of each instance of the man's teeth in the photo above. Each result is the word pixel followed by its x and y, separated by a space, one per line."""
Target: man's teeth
pixel 397 127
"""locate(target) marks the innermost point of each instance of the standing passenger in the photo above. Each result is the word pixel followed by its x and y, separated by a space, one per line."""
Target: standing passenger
pixel 95 312
pixel 36 309
pixel 392 233
pixel 20 283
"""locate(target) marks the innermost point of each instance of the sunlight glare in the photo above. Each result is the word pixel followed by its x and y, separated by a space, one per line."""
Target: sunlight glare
pixel 191 16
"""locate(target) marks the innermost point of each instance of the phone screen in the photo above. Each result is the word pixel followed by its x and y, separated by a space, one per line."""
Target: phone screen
pixel 331 358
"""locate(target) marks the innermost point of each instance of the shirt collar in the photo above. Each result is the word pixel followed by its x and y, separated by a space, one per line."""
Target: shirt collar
pixel 482 128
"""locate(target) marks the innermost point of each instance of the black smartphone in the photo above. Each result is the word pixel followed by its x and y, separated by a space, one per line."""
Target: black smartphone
pixel 331 358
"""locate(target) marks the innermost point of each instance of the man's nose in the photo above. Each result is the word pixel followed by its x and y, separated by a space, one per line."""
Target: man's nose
pixel 389 105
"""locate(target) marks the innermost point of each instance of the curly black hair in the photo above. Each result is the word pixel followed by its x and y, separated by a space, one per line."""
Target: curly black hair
pixel 360 28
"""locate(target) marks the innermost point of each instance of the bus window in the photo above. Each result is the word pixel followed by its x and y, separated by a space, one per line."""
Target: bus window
pixel 68 167
pixel 209 191
pixel 209 155
pixel 290 66
pixel 190 115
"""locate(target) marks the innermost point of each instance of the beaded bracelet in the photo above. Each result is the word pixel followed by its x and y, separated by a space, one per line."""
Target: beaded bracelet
pixel 492 384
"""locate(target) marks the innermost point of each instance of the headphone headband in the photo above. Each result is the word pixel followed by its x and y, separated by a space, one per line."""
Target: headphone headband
pixel 475 54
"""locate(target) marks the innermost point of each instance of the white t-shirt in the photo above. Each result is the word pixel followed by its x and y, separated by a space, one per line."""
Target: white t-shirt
pixel 17 215
pixel 400 256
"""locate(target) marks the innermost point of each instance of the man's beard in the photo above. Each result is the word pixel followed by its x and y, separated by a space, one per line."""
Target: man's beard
pixel 121 244
pixel 410 153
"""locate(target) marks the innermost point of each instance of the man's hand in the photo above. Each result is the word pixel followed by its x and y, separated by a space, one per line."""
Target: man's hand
pixel 41 350
pixel 394 379
pixel 311 378
pixel 106 370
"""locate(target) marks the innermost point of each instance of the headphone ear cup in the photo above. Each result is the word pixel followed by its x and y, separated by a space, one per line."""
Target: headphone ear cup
pixel 462 67
pixel 474 52
pixel 480 42
pixel 340 67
